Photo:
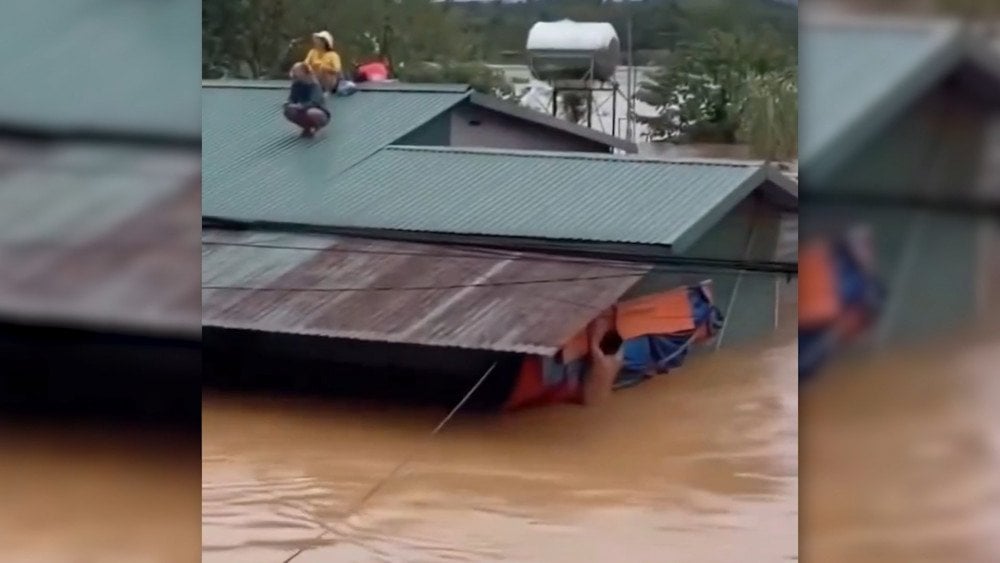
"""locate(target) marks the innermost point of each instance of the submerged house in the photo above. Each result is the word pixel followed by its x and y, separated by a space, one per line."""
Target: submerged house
pixel 98 197
pixel 374 245
pixel 901 132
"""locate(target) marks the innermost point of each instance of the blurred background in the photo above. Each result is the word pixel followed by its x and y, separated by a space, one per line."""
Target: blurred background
pixel 99 268
pixel 899 254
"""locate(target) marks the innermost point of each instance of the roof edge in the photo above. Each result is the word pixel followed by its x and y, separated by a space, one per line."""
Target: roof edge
pixel 398 87
pixel 775 186
pixel 493 103
pixel 944 60
pixel 581 156
pixel 609 251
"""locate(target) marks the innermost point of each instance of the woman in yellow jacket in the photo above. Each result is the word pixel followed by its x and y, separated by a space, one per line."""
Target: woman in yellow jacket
pixel 324 61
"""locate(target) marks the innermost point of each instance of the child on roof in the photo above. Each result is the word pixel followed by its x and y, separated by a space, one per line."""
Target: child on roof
pixel 306 106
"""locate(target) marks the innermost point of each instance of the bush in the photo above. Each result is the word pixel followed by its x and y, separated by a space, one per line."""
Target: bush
pixel 478 76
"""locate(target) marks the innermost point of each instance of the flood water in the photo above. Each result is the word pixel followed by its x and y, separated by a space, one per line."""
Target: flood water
pixel 699 466
pixel 900 456
pixel 81 492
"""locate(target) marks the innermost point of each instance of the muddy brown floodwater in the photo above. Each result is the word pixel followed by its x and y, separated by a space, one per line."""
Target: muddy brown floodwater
pixel 900 456
pixel 699 466
pixel 79 492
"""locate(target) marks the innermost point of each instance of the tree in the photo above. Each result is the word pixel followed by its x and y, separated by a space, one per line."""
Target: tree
pixel 261 38
pixel 769 117
pixel 478 76
pixel 702 89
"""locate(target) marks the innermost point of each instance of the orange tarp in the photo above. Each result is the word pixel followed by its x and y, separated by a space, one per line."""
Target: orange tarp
pixel 530 389
pixel 661 313
pixel 818 301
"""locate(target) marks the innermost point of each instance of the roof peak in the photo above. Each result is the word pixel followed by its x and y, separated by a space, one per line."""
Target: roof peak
pixel 573 155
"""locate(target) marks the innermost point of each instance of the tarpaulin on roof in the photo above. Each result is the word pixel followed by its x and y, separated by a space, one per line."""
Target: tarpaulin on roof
pixel 383 291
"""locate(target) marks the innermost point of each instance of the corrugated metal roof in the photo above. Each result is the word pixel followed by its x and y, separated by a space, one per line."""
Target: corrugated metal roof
pixel 857 76
pixel 571 196
pixel 101 66
pixel 248 145
pixel 403 292
pixel 99 237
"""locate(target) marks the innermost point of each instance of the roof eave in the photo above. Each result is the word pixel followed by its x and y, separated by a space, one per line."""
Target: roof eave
pixel 958 48
pixel 513 110
pixel 777 188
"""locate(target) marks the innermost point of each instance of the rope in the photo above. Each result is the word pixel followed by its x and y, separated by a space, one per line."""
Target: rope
pixel 395 470
pixel 669 359
pixel 736 288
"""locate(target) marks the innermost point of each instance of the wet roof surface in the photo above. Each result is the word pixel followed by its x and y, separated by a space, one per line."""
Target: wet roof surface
pixel 99 237
pixel 101 67
pixel 396 292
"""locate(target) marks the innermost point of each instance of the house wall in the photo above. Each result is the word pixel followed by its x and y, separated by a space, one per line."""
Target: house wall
pixel 749 300
pixel 932 261
pixel 472 126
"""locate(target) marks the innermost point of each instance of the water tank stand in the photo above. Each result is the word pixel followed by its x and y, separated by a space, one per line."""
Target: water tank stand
pixel 589 89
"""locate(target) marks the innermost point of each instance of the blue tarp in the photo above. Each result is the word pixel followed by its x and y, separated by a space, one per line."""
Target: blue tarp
pixel 857 291
pixel 661 353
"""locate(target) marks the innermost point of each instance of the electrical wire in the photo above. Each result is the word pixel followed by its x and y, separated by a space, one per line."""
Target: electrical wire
pixel 678 267
pixel 399 466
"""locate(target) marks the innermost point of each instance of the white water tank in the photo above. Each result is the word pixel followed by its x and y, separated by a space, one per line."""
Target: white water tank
pixel 569 50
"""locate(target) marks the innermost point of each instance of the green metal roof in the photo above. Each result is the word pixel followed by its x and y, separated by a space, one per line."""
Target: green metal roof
pixel 856 77
pixel 250 150
pixel 568 196
pixel 101 67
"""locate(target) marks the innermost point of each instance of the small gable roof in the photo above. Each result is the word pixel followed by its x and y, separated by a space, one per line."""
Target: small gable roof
pixel 857 76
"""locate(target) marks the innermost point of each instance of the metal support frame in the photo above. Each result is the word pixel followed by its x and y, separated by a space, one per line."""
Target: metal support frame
pixel 587 85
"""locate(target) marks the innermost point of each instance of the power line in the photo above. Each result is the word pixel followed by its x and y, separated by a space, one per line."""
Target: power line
pixel 505 245
pixel 709 266
pixel 363 500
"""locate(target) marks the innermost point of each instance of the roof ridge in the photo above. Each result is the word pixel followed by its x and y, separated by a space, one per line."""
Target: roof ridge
pixel 570 155
pixel 394 87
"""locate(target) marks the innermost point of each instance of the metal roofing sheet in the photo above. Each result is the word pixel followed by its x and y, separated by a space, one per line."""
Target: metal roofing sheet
pixel 855 77
pixel 251 154
pixel 101 66
pixel 99 237
pixel 569 196
pixel 396 292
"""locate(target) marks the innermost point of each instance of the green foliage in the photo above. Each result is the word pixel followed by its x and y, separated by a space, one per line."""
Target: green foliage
pixel 769 116
pixel 478 76
pixel 260 38
pixel 717 81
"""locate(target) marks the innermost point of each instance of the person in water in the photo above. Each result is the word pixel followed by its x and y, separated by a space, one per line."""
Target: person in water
pixel 324 62
pixel 305 106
